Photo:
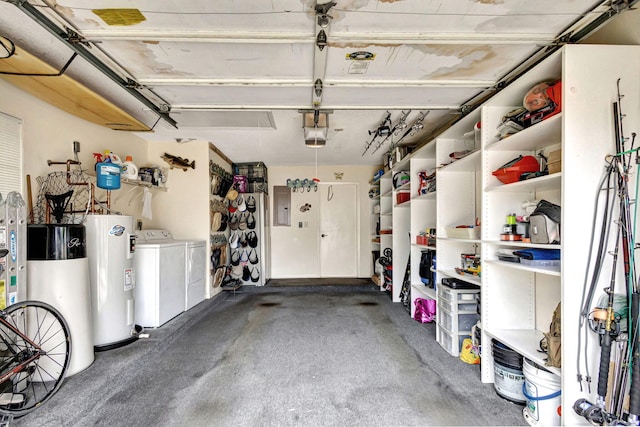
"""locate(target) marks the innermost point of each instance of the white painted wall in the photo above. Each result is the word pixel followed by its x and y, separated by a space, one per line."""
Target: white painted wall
pixel 48 134
pixel 294 251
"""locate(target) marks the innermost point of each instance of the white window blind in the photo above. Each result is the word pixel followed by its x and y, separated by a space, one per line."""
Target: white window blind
pixel 10 154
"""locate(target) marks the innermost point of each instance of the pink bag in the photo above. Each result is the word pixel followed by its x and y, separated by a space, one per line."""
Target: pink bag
pixel 241 183
pixel 425 310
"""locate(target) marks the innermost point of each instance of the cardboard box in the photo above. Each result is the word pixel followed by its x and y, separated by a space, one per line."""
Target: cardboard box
pixel 554 161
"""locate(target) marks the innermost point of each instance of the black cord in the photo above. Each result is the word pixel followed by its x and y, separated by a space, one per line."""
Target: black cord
pixel 59 73
pixel 11 49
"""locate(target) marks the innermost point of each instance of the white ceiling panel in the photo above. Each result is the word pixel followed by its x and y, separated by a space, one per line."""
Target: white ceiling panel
pixel 217 67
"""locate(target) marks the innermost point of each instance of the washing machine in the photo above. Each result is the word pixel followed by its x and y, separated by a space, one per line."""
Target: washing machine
pixel 160 291
pixel 195 272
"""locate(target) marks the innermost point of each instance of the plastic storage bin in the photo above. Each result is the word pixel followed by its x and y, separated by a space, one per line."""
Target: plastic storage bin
pixel 471 233
pixel 457 307
pixel 463 299
pixel 456 322
pixel 450 342
pixel 540 262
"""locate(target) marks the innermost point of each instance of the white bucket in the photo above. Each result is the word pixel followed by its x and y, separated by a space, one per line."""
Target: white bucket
pixel 542 390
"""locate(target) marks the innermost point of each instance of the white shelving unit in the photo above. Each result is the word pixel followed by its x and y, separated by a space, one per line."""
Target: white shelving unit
pixel 517 300
pixel 422 217
pixel 374 210
pixel 386 212
pixel 401 238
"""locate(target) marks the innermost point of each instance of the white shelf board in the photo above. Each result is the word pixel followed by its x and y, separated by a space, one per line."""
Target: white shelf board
pixel 470 162
pixel 423 246
pixel 552 271
pixel 423 290
pixel 405 186
pixel 428 196
pixel 543 183
pixel 522 244
pixel 543 134
pixel 452 273
pixel 524 341
pixel 453 239
pixel 387 193
pixel 402 163
pixel 403 204
pixel 134 182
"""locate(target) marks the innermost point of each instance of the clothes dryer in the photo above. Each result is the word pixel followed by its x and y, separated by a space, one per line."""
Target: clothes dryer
pixel 195 272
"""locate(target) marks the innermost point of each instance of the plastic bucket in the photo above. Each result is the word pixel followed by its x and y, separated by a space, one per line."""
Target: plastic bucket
pixel 542 390
pixel 108 176
pixel 508 378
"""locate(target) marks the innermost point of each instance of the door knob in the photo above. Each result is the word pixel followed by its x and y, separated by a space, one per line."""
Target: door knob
pixel 323 235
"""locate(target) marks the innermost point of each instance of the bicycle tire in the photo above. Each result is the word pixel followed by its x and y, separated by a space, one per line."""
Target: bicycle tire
pixel 29 385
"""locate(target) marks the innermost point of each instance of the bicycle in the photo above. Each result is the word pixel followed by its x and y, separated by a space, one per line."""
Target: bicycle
pixel 35 352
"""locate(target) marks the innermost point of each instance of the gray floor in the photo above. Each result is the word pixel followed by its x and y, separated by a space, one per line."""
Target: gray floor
pixel 310 355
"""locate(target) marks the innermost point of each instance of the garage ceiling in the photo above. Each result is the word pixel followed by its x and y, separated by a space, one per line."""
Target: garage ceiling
pixel 240 73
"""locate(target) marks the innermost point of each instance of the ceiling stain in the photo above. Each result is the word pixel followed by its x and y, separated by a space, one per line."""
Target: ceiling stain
pixel 361 46
pixel 62 10
pixel 470 61
pixel 141 54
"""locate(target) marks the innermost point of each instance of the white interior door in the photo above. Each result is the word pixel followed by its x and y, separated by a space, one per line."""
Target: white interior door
pixel 339 214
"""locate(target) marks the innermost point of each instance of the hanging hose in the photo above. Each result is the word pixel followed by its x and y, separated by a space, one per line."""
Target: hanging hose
pixel 587 296
pixel 604 320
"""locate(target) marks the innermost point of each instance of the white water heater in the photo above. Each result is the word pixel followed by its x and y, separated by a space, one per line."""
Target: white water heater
pixel 110 248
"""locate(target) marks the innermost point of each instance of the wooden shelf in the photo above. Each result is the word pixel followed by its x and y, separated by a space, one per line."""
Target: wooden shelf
pixel 66 93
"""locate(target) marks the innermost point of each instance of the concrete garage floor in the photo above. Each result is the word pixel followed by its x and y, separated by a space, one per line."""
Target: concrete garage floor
pixel 309 355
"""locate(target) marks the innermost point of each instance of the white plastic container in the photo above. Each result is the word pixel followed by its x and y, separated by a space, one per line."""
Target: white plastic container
pixel 542 390
pixel 129 169
pixel 113 158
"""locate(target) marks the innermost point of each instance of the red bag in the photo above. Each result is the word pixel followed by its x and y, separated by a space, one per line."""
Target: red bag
pixel 425 310
pixel 542 101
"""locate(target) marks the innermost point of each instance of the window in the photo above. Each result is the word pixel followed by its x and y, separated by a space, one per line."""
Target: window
pixel 10 154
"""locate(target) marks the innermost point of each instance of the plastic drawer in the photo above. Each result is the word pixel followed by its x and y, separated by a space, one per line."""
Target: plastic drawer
pixel 450 342
pixel 457 296
pixel 454 322
pixel 454 307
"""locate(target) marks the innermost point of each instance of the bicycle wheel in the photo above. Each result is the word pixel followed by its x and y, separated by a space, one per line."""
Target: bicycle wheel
pixel 35 351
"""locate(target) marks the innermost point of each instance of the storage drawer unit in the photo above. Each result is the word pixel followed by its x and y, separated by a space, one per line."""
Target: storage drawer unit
pixel 457 307
pixel 457 300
